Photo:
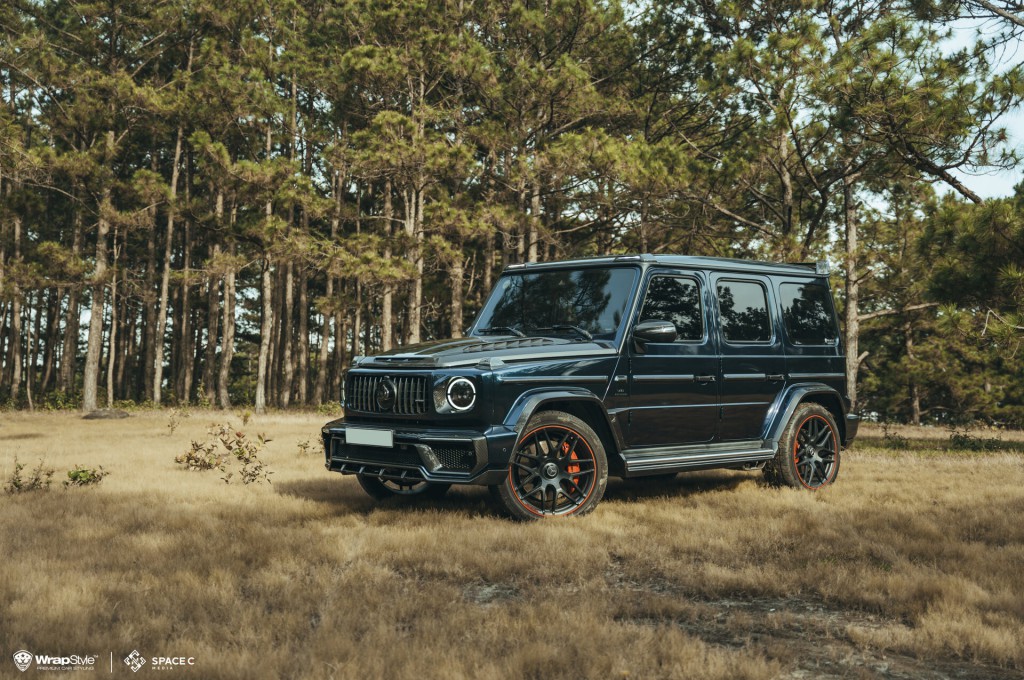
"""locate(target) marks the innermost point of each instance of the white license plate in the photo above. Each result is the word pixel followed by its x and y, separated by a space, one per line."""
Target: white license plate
pixel 359 435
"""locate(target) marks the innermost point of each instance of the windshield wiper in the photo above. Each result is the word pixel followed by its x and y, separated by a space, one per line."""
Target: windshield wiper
pixel 501 329
pixel 567 327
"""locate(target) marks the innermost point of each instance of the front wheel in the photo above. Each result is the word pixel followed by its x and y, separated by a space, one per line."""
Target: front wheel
pixel 382 489
pixel 558 468
pixel 808 455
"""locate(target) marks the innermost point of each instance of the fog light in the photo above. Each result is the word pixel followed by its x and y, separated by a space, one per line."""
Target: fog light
pixel 461 394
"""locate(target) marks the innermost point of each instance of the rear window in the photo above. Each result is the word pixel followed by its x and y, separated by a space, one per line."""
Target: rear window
pixel 807 314
pixel 743 312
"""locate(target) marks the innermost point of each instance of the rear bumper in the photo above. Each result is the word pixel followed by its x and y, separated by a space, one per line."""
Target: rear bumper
pixel 852 425
pixel 423 454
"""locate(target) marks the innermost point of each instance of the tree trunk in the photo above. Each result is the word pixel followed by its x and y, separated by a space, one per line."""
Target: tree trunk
pixel 852 292
pixel 266 328
pixel 387 298
pixel 15 355
pixel 149 298
pixel 92 354
pixel 287 352
pixel 52 335
pixel 185 339
pixel 456 274
pixel 914 392
pixel 112 339
pixel 533 225
pixel 228 343
pixel 302 358
pixel 212 322
pixel 165 276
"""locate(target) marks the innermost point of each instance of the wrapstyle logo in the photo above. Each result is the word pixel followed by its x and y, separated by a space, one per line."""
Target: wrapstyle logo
pixel 135 661
pixel 23 659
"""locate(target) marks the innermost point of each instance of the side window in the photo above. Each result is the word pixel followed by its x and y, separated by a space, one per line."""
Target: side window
pixel 675 299
pixel 743 311
pixel 807 313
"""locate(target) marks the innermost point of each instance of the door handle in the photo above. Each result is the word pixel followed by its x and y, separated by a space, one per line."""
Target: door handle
pixel 775 377
pixel 705 378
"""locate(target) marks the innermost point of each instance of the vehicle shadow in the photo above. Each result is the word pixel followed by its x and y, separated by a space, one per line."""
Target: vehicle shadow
pixel 684 484
pixel 345 495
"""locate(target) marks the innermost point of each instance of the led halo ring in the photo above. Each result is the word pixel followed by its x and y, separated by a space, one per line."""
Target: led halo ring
pixel 448 394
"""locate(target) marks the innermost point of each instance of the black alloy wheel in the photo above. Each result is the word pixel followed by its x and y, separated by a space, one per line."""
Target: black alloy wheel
pixel 558 468
pixel 809 450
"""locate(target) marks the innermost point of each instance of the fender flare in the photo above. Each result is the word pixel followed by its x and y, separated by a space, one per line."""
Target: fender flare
pixel 786 403
pixel 531 401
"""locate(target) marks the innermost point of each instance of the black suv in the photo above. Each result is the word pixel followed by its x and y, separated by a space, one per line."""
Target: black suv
pixel 634 366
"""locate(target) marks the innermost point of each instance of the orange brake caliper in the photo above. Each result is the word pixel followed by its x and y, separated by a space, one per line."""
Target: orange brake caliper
pixel 571 469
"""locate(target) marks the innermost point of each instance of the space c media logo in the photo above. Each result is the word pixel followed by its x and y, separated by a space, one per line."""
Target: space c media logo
pixel 136 661
pixel 23 659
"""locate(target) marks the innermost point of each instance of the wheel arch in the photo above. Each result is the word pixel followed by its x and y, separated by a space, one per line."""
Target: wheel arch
pixel 580 403
pixel 820 393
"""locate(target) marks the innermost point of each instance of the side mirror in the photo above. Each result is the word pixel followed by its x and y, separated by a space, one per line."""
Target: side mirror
pixel 654 331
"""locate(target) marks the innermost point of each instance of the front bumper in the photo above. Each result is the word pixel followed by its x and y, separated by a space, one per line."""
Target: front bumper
pixel 423 454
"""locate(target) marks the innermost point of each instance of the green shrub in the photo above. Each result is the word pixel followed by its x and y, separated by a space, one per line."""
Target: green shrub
pixel 965 441
pixel 39 480
pixel 894 440
pixel 83 476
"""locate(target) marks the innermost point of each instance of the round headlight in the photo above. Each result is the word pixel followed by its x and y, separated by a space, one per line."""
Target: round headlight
pixel 461 394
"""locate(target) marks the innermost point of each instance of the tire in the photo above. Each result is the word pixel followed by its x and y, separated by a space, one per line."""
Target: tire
pixel 558 468
pixel 383 489
pixel 809 450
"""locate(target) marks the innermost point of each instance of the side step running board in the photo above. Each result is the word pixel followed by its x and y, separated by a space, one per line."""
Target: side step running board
pixel 640 463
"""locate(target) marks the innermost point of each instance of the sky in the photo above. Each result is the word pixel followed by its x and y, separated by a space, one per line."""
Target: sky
pixel 993 184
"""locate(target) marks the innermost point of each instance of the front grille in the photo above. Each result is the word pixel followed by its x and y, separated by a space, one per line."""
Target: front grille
pixel 410 400
pixel 455 456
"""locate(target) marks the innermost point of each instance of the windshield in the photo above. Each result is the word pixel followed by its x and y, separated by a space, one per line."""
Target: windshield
pixel 580 303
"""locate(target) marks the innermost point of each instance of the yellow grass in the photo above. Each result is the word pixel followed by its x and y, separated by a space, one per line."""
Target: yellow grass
pixel 913 564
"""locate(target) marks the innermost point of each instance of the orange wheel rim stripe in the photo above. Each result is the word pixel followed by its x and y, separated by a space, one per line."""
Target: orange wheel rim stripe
pixel 529 508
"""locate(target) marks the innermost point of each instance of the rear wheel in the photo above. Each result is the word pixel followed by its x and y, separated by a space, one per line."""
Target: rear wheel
pixel 809 450
pixel 558 468
pixel 382 489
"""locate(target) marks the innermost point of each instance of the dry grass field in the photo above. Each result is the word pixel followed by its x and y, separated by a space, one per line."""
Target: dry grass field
pixel 912 566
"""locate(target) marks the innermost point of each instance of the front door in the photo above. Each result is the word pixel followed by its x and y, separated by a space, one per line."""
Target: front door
pixel 753 361
pixel 673 386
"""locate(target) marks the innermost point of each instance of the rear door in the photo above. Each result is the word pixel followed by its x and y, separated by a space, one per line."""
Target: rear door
pixel 753 369
pixel 673 386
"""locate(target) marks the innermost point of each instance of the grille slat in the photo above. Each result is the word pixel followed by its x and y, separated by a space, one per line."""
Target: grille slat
pixel 410 397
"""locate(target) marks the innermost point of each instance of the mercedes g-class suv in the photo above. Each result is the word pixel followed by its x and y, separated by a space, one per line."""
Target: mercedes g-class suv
pixel 633 366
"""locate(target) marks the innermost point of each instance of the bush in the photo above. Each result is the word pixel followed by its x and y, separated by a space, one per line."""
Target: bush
pixel 894 440
pixel 329 408
pixel 226 443
pixel 83 476
pixel 965 441
pixel 202 456
pixel 174 419
pixel 40 479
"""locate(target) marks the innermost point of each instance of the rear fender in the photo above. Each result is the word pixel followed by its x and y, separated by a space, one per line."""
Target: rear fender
pixel 786 403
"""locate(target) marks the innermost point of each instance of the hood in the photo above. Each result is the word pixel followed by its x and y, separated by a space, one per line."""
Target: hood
pixel 490 352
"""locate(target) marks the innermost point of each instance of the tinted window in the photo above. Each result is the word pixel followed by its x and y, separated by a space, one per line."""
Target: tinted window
pixel 533 303
pixel 807 313
pixel 743 311
pixel 670 298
